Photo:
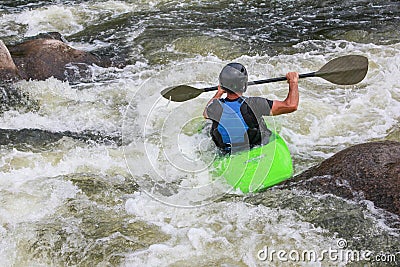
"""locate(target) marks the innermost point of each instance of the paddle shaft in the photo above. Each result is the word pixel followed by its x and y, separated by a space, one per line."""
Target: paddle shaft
pixel 271 80
pixel 346 70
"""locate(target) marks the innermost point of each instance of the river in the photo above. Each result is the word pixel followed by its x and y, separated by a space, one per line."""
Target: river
pixel 105 172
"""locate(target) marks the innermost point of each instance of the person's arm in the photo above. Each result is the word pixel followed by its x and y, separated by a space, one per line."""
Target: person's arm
pixel 217 95
pixel 291 102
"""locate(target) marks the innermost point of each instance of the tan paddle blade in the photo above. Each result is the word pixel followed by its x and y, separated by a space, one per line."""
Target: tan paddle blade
pixel 345 70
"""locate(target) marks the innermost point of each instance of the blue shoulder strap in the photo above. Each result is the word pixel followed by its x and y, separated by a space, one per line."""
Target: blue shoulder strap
pixel 232 126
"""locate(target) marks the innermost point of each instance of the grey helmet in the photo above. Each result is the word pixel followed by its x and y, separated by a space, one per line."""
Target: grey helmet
pixel 233 77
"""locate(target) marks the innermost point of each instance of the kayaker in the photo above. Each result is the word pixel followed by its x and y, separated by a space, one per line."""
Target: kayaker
pixel 237 122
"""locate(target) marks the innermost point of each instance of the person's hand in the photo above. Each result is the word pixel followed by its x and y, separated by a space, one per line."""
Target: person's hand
pixel 292 77
pixel 217 95
pixel 220 91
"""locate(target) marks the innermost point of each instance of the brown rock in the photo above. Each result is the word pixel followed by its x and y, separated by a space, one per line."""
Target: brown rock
pixel 41 58
pixel 368 171
pixel 8 70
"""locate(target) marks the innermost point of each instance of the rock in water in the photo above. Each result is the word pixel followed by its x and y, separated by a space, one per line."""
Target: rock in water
pixel 8 70
pixel 368 171
pixel 40 59
pixel 45 56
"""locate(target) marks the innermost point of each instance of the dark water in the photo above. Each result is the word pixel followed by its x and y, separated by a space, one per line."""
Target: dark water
pixel 71 153
pixel 252 27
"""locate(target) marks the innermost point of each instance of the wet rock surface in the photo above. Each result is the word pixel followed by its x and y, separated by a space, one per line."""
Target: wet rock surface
pixel 12 98
pixel 44 56
pixel 39 138
pixel 369 171
pixel 8 70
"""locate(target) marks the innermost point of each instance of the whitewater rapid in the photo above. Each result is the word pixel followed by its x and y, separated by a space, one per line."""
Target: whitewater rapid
pixel 150 199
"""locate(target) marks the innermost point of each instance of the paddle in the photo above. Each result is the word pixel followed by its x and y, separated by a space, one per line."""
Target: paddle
pixel 346 70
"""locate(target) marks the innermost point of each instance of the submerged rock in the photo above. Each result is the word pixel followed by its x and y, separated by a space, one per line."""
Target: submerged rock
pixel 39 138
pixel 368 171
pixel 11 98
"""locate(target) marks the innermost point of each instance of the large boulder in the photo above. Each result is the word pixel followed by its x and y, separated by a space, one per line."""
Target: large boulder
pixel 8 70
pixel 47 55
pixel 368 171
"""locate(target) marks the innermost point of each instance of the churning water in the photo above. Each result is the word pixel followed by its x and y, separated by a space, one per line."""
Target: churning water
pixel 106 172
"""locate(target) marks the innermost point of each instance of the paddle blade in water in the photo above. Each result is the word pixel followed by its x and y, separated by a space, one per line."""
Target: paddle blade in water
pixel 345 70
pixel 181 93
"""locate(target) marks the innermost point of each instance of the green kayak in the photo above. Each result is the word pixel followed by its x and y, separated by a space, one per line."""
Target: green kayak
pixel 258 168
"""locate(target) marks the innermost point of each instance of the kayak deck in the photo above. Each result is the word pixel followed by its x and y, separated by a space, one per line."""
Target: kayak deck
pixel 258 168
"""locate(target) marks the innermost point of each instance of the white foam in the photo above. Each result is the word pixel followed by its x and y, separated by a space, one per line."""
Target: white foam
pixel 67 19
pixel 53 18
pixel 26 184
pixel 64 108
pixel 232 232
